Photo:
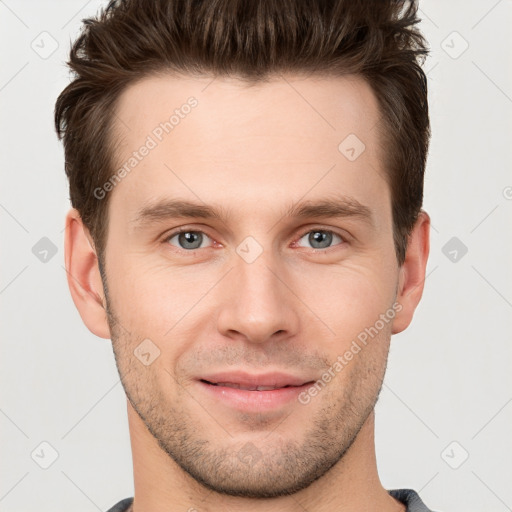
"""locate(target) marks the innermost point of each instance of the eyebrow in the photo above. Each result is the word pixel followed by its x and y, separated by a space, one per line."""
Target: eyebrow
pixel 165 209
pixel 342 207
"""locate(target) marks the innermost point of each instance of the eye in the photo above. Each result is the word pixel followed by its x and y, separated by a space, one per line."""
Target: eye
pixel 188 240
pixel 320 238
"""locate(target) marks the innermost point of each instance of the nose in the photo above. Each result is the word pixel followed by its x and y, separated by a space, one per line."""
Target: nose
pixel 258 302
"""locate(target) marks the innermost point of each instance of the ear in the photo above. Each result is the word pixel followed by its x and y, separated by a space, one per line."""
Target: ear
pixel 83 274
pixel 412 273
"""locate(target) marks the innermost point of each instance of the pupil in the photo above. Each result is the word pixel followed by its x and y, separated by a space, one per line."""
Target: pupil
pixel 320 237
pixel 190 240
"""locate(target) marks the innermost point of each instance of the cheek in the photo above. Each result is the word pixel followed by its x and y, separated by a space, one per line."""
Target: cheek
pixel 348 298
pixel 153 299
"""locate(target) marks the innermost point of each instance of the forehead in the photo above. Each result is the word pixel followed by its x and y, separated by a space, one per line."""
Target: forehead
pixel 289 106
pixel 225 140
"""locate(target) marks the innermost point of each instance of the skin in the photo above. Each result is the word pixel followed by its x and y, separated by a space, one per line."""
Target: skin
pixel 254 151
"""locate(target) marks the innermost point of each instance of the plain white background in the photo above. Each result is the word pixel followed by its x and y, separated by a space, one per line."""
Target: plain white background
pixel 443 419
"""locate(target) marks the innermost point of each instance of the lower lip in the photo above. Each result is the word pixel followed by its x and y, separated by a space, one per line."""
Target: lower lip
pixel 245 400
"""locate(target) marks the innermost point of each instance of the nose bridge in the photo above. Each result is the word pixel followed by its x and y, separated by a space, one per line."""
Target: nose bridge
pixel 259 304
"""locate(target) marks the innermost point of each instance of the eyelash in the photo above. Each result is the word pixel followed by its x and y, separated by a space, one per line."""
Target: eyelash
pixel 309 230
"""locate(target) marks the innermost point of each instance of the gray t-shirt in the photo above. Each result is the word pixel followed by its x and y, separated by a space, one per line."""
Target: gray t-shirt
pixel 406 496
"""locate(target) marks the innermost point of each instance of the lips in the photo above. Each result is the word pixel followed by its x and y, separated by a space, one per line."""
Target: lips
pixel 246 388
pixel 271 393
pixel 252 382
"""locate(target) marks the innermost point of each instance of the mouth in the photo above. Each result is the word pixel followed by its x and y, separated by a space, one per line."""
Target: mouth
pixel 236 385
pixel 254 393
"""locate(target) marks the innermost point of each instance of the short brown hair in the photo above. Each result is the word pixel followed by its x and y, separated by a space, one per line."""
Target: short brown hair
pixel 252 40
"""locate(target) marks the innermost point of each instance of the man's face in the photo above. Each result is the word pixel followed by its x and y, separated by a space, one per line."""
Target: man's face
pixel 260 291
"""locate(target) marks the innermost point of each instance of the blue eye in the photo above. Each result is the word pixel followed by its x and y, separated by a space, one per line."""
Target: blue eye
pixel 189 240
pixel 320 238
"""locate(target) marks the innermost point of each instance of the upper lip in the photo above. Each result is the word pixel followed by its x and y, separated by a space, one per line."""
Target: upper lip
pixel 273 379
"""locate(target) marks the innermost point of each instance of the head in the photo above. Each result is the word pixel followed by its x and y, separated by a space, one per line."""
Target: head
pixel 287 141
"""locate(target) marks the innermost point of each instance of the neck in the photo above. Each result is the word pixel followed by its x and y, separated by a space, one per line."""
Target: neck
pixel 350 485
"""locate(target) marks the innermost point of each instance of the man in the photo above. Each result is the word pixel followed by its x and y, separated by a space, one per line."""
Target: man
pixel 247 181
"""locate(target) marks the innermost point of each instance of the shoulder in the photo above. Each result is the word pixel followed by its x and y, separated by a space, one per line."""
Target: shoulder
pixel 122 506
pixel 411 499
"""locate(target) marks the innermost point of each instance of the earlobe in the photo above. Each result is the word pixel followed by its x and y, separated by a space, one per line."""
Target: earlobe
pixel 83 275
pixel 412 273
